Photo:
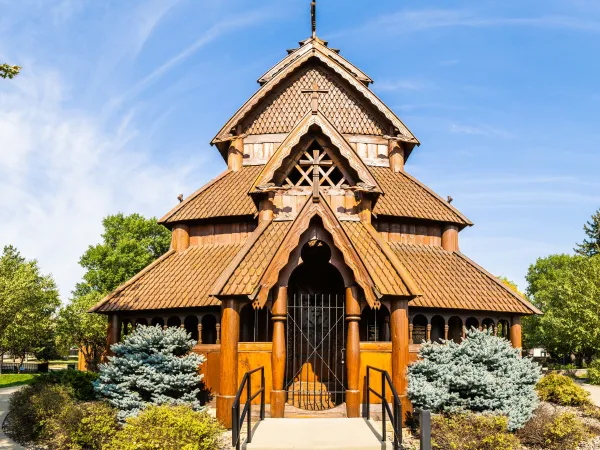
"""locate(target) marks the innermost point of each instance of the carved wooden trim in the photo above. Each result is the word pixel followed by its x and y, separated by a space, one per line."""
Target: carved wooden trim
pixel 294 138
pixel 292 239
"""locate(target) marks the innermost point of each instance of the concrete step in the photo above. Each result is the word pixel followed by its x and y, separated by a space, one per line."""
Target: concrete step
pixel 317 434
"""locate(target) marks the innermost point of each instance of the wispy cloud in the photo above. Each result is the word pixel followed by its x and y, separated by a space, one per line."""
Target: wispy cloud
pixel 426 19
pixel 400 85
pixel 212 33
pixel 62 171
pixel 480 130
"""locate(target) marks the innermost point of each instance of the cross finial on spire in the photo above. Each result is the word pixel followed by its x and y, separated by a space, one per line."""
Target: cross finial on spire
pixel 313 15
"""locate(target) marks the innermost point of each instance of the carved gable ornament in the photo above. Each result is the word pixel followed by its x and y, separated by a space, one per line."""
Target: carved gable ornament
pixel 283 163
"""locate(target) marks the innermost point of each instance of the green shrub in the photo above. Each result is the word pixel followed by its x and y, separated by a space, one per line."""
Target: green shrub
pixel 562 390
pixel 483 373
pixel 472 432
pixel 81 426
pixel 553 430
pixel 81 383
pixel 151 366
pixel 31 408
pixel 594 372
pixel 170 428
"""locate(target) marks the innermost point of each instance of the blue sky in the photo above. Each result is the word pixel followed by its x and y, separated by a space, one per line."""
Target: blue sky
pixel 118 101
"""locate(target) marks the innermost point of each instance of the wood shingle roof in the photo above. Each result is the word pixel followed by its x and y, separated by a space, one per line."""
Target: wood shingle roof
pixel 226 195
pixel 451 280
pixel 175 280
pixel 405 196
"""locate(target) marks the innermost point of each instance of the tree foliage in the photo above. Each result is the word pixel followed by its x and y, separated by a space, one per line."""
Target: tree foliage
pixel 129 243
pixel 591 245
pixel 76 327
pixel 484 373
pixel 567 289
pixel 28 301
pixel 151 366
pixel 8 71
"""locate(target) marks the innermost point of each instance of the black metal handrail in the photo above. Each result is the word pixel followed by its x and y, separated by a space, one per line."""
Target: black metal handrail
pixel 236 420
pixel 395 415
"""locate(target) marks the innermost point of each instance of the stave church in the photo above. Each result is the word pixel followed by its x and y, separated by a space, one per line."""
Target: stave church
pixel 315 253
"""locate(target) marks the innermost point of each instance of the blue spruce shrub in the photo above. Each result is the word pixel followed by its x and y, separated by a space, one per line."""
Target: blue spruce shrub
pixel 151 366
pixel 484 373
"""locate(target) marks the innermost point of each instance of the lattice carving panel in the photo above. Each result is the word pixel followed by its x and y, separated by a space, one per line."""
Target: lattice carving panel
pixel 284 108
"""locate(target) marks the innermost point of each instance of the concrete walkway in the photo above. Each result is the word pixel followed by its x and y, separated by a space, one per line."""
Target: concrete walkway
pixel 5 442
pixel 594 391
pixel 317 434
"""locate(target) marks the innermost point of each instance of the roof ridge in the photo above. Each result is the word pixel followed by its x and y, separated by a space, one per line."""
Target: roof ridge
pixel 495 279
pixel 133 279
pixel 405 276
pixel 192 196
pixel 436 196
pixel 336 67
pixel 305 47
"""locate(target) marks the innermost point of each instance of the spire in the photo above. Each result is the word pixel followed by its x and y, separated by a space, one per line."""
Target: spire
pixel 313 15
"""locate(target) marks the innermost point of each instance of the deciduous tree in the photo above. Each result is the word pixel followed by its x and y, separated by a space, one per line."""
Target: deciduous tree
pixel 129 243
pixel 8 71
pixel 28 301
pixel 567 289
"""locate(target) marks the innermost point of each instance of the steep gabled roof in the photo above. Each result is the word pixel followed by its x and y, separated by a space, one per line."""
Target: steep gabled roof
pixel 317 54
pixel 405 196
pixel 363 268
pixel 453 281
pixel 305 47
pixel 300 130
pixel 224 196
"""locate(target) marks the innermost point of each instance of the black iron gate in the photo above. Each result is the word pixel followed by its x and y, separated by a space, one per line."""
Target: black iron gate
pixel 316 338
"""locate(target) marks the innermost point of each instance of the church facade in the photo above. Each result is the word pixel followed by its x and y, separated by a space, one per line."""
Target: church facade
pixel 315 253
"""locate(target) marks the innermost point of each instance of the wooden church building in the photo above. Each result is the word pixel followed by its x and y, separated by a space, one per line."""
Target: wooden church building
pixel 315 253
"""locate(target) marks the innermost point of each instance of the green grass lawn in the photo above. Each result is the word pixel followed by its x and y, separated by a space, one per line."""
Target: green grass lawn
pixel 9 379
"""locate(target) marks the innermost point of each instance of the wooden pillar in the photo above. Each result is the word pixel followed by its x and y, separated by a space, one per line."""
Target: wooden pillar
pixel 410 334
pixel 199 332
pixel 446 330
pixel 235 154
pixel 399 328
pixel 180 237
pixel 113 335
pixel 396 155
pixel 450 238
pixel 218 338
pixel 278 354
pixel 464 331
pixel 352 352
pixel 495 330
pixel 364 209
pixel 515 332
pixel 266 208
pixel 228 368
pixel 428 332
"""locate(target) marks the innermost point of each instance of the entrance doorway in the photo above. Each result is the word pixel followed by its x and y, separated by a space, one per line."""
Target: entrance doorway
pixel 316 334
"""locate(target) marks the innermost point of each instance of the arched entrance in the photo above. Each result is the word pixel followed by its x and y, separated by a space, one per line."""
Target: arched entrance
pixel 316 335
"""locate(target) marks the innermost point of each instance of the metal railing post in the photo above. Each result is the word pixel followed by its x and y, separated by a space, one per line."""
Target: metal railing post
pixel 383 406
pixel 425 429
pixel 368 407
pixel 249 409
pixel 262 394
